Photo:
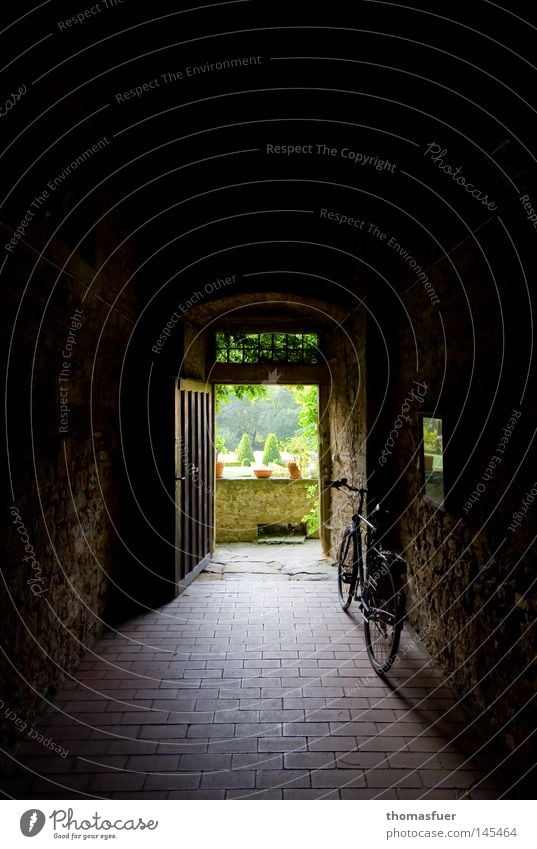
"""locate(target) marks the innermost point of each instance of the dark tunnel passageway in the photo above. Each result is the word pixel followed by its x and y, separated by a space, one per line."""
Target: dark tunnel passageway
pixel 363 174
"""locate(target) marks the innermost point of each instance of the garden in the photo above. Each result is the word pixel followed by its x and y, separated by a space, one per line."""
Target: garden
pixel 269 431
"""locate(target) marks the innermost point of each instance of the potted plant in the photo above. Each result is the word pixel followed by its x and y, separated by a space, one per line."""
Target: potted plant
pixel 220 462
pixel 294 472
pixel 300 452
pixel 262 471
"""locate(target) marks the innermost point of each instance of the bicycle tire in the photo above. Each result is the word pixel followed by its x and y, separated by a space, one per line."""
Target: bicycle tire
pixel 347 569
pixel 384 606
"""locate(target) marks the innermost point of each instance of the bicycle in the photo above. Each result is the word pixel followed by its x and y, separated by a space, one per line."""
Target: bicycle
pixel 372 576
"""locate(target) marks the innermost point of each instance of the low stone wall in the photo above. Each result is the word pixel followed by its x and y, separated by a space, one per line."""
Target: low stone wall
pixel 242 505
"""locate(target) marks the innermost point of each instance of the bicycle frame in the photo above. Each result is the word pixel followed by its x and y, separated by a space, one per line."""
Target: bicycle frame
pixel 356 529
pixel 372 576
pixel 358 521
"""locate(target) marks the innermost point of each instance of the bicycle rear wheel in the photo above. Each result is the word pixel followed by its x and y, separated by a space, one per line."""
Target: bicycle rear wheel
pixel 347 569
pixel 384 608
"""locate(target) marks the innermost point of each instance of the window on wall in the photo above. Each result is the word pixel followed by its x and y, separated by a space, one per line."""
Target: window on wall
pixel 267 347
pixel 432 459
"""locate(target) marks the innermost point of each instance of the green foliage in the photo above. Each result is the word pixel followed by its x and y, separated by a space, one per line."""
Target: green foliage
pixel 245 452
pixel 312 517
pixel 300 449
pixel 307 398
pixel 226 437
pixel 429 439
pixel 225 393
pixel 273 411
pixel 430 436
pixel 220 445
pixel 290 413
pixel 305 443
pixel 266 347
pixel 271 452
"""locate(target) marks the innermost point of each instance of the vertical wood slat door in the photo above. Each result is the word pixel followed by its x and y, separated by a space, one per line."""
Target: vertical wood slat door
pixel 194 478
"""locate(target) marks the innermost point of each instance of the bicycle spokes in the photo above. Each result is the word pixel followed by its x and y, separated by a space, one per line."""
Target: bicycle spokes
pixel 383 622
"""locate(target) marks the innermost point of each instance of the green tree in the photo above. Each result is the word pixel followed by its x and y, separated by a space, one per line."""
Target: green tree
pixel 312 517
pixel 224 393
pixel 278 413
pixel 273 411
pixel 245 452
pixel 303 445
pixel 308 399
pixel 271 453
pixel 227 436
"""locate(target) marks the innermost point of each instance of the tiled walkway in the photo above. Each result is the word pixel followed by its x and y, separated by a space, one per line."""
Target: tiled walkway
pixel 254 688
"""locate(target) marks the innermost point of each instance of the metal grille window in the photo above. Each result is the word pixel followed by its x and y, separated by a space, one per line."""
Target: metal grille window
pixel 267 347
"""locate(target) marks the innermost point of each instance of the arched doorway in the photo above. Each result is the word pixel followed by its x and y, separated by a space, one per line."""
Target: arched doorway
pixel 337 373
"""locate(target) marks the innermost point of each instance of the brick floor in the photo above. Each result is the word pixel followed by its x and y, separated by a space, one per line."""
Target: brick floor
pixel 252 688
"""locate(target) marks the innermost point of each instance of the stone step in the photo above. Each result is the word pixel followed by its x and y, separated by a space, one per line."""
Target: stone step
pixel 291 540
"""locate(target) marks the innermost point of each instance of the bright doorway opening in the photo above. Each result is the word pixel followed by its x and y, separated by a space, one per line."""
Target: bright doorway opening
pixel 267 444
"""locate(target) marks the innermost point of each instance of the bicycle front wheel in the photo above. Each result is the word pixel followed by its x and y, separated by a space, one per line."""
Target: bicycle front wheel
pixel 384 610
pixel 347 569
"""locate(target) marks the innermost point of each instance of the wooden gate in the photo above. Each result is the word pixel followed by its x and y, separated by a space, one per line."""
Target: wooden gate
pixel 194 479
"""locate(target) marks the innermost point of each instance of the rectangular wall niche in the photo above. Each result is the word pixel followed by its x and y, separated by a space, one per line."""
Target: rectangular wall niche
pixel 432 460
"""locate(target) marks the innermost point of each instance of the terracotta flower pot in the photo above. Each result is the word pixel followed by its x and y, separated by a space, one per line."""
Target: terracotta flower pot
pixel 262 473
pixel 294 471
pixel 428 462
pixel 220 469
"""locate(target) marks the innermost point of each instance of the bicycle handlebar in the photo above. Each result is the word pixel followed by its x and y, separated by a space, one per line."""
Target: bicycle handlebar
pixel 344 483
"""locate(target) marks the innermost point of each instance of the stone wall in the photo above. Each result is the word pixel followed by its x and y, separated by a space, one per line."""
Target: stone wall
pixel 470 575
pixel 63 521
pixel 343 417
pixel 242 505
